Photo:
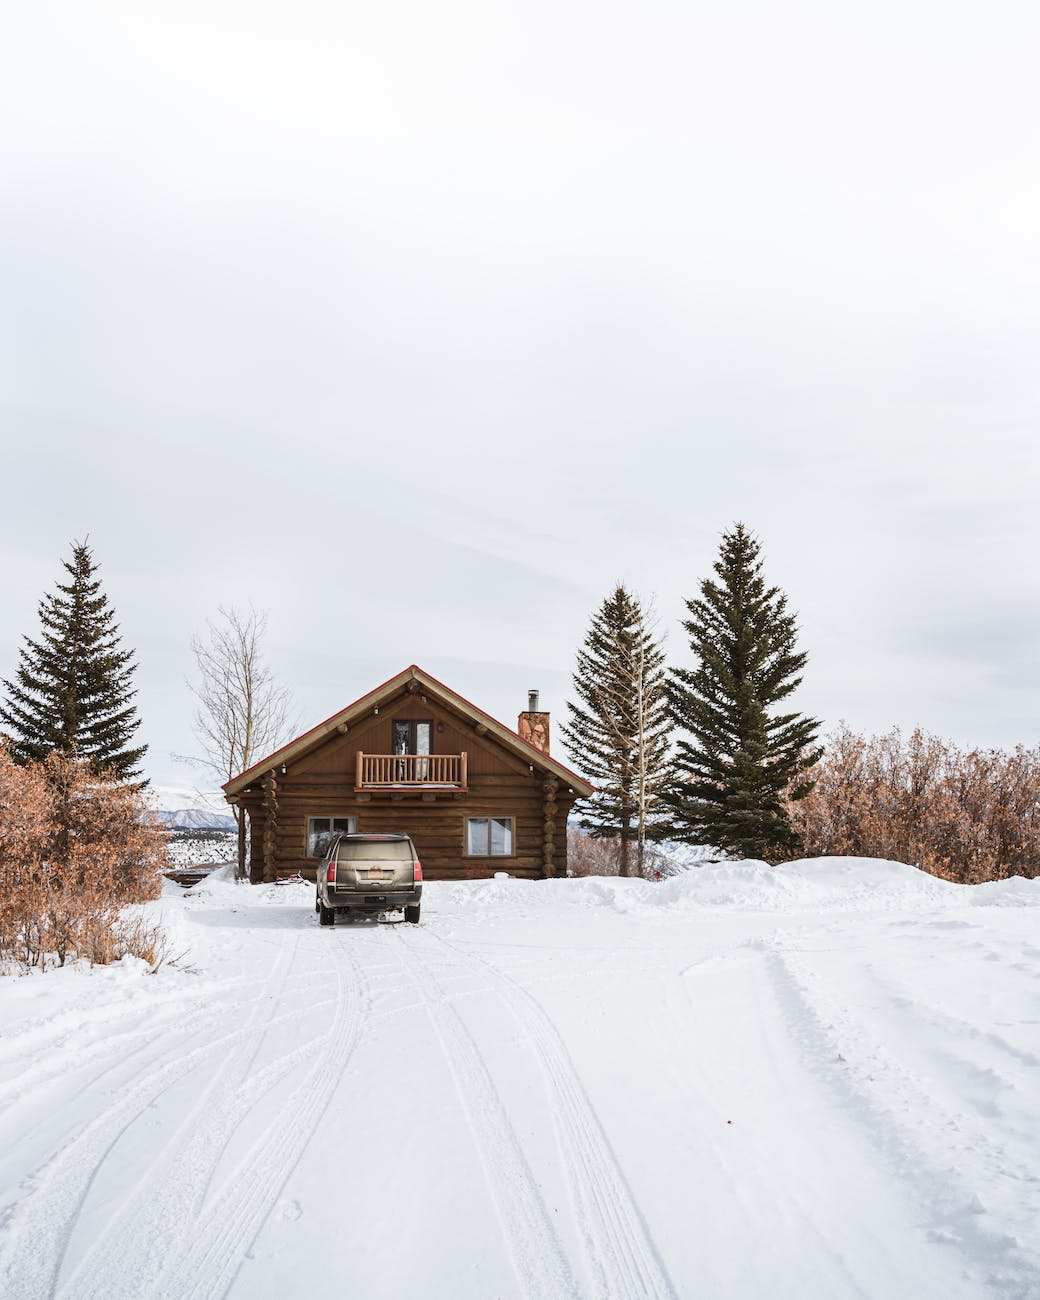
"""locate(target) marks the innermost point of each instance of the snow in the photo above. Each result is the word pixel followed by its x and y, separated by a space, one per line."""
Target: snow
pixel 819 1080
pixel 201 848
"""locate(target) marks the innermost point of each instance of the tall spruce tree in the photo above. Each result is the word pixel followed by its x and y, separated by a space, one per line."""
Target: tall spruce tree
pixel 617 735
pixel 742 762
pixel 73 688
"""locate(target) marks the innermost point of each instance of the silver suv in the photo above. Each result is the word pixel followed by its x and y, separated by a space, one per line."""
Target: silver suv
pixel 363 875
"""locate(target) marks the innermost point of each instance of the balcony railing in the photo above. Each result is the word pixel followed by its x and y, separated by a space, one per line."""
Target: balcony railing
pixel 410 771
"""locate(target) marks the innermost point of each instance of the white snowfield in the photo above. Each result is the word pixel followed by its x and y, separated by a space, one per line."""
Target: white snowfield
pixel 816 1082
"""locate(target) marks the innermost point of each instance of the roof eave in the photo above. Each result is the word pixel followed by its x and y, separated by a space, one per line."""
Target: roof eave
pixel 314 737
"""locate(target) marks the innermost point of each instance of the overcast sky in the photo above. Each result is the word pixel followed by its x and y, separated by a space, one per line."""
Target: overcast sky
pixel 418 326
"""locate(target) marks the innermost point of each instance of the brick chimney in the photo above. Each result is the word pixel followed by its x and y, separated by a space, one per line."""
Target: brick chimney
pixel 532 725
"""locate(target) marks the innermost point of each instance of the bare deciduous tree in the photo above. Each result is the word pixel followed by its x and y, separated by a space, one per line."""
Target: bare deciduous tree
pixel 242 713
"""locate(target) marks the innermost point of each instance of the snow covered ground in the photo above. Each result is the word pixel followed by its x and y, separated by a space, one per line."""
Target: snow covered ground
pixel 821 1081
pixel 192 848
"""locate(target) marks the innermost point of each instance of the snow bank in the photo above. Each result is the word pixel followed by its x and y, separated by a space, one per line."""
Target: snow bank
pixel 1016 892
pixel 808 884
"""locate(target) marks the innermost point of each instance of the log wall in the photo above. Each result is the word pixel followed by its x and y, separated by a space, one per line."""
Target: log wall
pixel 437 826
pixel 501 783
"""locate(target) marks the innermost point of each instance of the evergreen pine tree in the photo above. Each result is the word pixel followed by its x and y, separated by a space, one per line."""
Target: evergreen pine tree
pixel 744 762
pixel 617 735
pixel 73 692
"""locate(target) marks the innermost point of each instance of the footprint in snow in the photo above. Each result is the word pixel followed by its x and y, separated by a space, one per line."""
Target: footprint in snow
pixel 290 1211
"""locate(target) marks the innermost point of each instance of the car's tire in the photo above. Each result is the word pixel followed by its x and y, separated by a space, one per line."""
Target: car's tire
pixel 326 915
pixel 317 905
pixel 412 913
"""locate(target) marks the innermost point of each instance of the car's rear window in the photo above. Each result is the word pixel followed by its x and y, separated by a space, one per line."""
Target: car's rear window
pixel 376 851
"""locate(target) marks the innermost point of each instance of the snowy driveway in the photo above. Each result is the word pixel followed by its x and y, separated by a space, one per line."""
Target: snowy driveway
pixel 820 1082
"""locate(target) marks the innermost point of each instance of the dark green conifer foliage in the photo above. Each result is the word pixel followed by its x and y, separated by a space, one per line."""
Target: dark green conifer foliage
pixel 617 735
pixel 741 761
pixel 73 689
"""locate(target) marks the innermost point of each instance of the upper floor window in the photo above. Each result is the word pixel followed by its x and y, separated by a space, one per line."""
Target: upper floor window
pixel 413 736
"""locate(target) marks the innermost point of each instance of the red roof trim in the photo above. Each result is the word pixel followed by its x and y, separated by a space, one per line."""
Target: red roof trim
pixel 265 763
pixel 478 709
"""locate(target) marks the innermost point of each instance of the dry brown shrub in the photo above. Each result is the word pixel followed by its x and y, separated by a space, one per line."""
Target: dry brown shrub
pixel 965 815
pixel 593 855
pixel 588 855
pixel 75 849
pixel 133 937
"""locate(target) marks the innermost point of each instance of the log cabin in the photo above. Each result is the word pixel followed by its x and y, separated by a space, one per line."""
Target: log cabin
pixel 475 796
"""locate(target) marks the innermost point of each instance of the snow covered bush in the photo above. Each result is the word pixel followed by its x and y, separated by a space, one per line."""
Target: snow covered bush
pixel 965 815
pixel 75 849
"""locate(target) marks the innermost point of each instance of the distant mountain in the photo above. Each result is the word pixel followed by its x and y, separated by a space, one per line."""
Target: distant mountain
pixel 196 819
pixel 190 798
pixel 191 809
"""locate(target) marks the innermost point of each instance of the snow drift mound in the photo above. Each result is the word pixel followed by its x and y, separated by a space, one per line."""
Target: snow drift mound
pixel 1015 892
pixel 829 884
pixel 880 883
pixel 748 884
pixel 873 881
pixel 811 884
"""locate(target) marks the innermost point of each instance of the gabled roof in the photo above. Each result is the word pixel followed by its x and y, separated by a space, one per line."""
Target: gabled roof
pixel 388 691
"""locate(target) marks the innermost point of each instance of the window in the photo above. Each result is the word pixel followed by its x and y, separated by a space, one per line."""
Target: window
pixel 489 837
pixel 320 831
pixel 413 736
pixel 371 849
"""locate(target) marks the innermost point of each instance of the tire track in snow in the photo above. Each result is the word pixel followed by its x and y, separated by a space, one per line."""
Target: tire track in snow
pixel 539 1260
pixel 212 1252
pixel 622 1258
pixel 955 1027
pixel 41 1225
pixel 173 1189
pixel 881 1092
pixel 61 1053
pixel 41 1036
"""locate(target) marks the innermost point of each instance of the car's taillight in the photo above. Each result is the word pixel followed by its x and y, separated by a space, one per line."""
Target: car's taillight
pixel 417 865
pixel 330 875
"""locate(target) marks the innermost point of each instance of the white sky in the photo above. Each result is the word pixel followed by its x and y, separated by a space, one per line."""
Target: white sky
pixel 419 326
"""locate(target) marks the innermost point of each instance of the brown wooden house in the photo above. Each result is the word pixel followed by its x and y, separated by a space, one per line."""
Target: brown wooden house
pixel 475 796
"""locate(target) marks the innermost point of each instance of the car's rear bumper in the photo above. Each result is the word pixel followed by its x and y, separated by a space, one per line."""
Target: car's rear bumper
pixel 371 900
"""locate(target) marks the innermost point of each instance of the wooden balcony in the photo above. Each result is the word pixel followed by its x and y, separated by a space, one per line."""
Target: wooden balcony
pixel 410 772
